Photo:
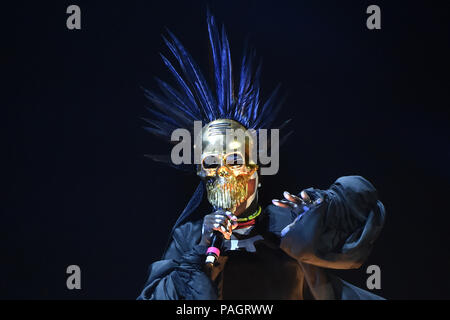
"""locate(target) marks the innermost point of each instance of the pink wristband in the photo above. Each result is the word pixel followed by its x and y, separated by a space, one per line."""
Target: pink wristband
pixel 213 250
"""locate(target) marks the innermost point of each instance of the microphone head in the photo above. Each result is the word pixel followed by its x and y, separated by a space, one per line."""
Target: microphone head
pixel 210 259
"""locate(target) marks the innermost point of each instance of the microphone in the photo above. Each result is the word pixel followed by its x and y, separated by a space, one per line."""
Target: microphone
pixel 213 252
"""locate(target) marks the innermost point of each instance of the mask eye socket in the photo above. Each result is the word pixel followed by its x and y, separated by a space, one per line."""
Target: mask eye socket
pixel 234 160
pixel 210 162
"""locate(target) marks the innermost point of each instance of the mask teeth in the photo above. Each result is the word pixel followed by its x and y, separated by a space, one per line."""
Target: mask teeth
pixel 222 195
pixel 228 195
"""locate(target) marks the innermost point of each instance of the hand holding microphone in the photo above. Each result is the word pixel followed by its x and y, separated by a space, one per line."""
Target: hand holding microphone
pixel 216 226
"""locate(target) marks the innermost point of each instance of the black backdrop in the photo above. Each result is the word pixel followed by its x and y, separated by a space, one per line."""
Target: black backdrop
pixel 79 191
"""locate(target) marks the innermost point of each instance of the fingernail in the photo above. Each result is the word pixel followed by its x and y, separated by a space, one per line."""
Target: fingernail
pixel 231 216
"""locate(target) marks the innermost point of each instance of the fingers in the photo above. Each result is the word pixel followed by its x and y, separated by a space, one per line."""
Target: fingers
pixel 305 196
pixel 228 220
pixel 232 219
pixel 292 198
pixel 293 201
pixel 308 199
pixel 224 222
pixel 226 232
pixel 285 204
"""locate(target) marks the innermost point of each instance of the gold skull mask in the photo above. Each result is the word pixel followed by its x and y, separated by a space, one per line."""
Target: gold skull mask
pixel 227 163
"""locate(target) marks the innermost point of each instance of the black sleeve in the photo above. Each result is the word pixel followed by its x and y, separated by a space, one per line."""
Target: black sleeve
pixel 179 275
pixel 340 231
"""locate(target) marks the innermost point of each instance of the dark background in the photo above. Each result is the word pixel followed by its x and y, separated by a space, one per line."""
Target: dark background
pixel 79 191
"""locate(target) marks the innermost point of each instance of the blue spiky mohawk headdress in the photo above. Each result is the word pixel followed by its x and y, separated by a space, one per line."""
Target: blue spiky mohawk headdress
pixel 193 100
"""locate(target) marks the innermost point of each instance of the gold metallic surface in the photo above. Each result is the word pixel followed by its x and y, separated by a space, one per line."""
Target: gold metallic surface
pixel 227 162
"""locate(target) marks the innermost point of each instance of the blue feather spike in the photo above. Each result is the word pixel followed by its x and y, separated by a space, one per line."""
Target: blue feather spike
pixel 177 118
pixel 182 85
pixel 189 81
pixel 274 110
pixel 165 105
pixel 267 108
pixel 227 76
pixel 246 74
pixel 177 100
pixel 215 51
pixel 195 77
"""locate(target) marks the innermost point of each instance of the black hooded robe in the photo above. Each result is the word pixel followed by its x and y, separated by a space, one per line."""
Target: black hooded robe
pixel 292 259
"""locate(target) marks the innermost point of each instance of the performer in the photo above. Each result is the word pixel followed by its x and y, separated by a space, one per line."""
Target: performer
pixel 282 251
